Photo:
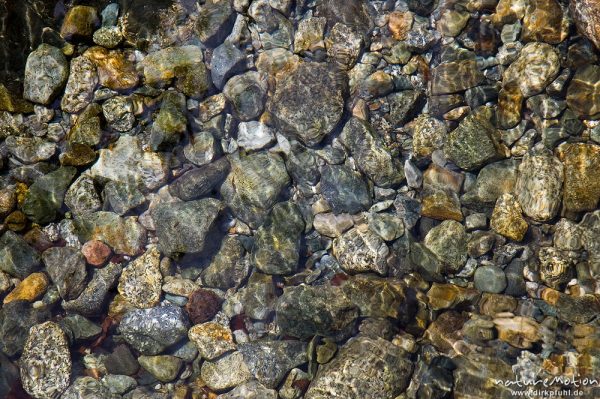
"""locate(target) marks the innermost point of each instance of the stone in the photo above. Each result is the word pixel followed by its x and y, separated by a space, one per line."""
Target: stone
pixel 77 154
pixel 82 197
pixel 164 368
pixel 429 134
pixel 448 242
pixel 581 190
pixel 45 196
pixel 16 318
pixel 227 60
pixel 556 267
pixel 17 258
pixel 250 390
pixel 115 71
pixel 387 226
pixel 490 279
pixel 240 191
pixel 353 372
pixel 108 37
pixel 507 218
pixel 445 296
pixel 88 387
pixel 309 35
pixel 182 227
pixel 66 268
pixel 254 135
pixel 228 267
pixel 343 45
pixel 79 91
pixel 211 339
pixel 510 101
pixel 87 129
pixel 456 76
pixel 160 67
pixel 344 189
pixel 215 20
pixel 126 162
pixel 583 92
pixel 201 149
pixel 31 288
pixel 376 297
pixel 150 331
pixel 308 102
pixel 586 16
pixel 199 182
pixel 118 112
pixel 403 106
pixel 332 225
pixel 203 305
pixel 45 365
pixel 304 311
pixel 520 332
pixel 123 234
pixel 122 197
pixel 46 73
pixel 543 22
pixel 30 149
pixel 79 23
pixel 277 241
pixel 270 361
pixel 493 180
pixel 399 23
pixel 247 94
pixel 141 281
pixel 225 372
pixel 539 185
pixel 372 157
pixel 170 123
pixel 441 204
pixel 474 142
pixel 121 362
pixel 91 300
pixel 536 68
pixel 78 328
pixel 360 250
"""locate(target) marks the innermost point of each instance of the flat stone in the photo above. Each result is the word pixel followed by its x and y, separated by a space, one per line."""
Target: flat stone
pixel 141 280
pixel 227 60
pixel 228 267
pixel 247 94
pixel 183 227
pixel 225 372
pixel 308 102
pixel 199 182
pixel 17 258
pixel 46 73
pixel 360 250
pixel 92 299
pixel 16 318
pixel 474 142
pixel 126 162
pixel 456 76
pixel 79 23
pixel 490 279
pixel 152 330
pixel 45 196
pixel 581 190
pixel 492 181
pixel 164 368
pixel 332 225
pixel 46 362
pixel 364 367
pixel 429 134
pixel 162 66
pixel 123 234
pixel 270 361
pixel 304 311
pixel 250 390
pixel 344 189
pixel 583 94
pixel 536 68
pixel 448 242
pixel 254 135
pixel 66 268
pixel 115 71
pixel 29 289
pixel 507 218
pixel 277 241
pixel 215 20
pixel 372 157
pixel 30 149
pixel 375 297
pixel 79 91
pixel 539 185
pixel 211 339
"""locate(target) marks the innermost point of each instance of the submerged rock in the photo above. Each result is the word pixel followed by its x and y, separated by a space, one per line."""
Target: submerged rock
pixel 46 73
pixel 45 196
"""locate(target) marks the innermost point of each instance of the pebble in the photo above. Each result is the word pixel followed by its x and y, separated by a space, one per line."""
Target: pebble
pixel 31 288
pixel 66 268
pixel 164 368
pixel 141 281
pixel 490 279
pixel 211 339
pixel 46 74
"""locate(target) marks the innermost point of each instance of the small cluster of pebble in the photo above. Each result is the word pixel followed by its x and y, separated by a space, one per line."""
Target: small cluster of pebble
pixel 315 199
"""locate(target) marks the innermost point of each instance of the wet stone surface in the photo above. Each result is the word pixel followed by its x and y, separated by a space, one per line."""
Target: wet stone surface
pixel 260 199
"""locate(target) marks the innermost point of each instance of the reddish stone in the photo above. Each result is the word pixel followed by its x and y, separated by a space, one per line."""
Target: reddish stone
pixel 95 252
pixel 203 305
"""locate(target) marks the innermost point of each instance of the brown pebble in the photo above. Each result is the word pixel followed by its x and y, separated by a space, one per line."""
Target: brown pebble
pixel 95 252
pixel 203 305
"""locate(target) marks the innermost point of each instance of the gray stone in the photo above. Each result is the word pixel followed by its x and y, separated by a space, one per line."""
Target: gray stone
pixel 141 281
pixel 370 153
pixel 30 149
pixel 66 268
pixel 16 318
pixel 247 94
pixel 364 368
pixel 344 189
pixel 199 182
pixel 183 226
pixel 308 102
pixel 360 250
pixel 88 388
pixel 215 21
pixel 45 196
pixel 122 197
pixel 150 331
pixel 78 328
pixel 118 112
pixel 403 106
pixel 17 258
pixel 304 311
pixel 46 362
pixel 228 268
pixel 123 234
pixel 277 245
pixel 163 367
pixel 227 60
pixel 254 135
pixel 270 361
pixel 92 299
pixel 46 73
pixel 250 390
pixel 225 372
pixel 489 279
pixel 448 242
pixel 79 91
